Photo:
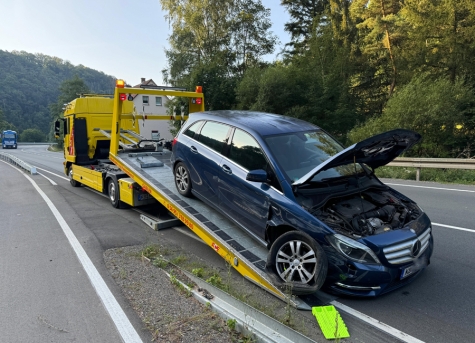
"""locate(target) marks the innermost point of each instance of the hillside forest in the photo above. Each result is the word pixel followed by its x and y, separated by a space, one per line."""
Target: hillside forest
pixel 353 67
pixel 30 85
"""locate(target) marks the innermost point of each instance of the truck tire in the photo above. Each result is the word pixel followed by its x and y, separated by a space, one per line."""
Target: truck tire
pixel 297 263
pixel 73 182
pixel 182 179
pixel 114 194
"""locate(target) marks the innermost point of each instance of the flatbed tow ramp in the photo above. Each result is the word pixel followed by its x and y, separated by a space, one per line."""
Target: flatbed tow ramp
pixel 153 172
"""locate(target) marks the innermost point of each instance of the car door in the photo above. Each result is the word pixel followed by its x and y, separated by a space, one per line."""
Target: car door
pixel 205 157
pixel 246 202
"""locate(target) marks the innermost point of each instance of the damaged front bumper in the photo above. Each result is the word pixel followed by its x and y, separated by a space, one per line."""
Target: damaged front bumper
pixel 369 280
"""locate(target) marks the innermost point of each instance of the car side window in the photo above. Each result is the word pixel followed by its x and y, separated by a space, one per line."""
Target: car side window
pixel 191 131
pixel 246 152
pixel 214 135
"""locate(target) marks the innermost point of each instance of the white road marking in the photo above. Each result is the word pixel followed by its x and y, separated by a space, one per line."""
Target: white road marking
pixel 118 316
pixel 454 227
pixel 374 322
pixel 427 187
pixel 47 178
pixel 46 171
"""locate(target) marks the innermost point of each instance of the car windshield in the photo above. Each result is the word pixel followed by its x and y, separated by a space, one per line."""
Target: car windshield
pixel 298 153
pixel 9 135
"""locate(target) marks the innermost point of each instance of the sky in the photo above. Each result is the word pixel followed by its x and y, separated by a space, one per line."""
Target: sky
pixel 122 38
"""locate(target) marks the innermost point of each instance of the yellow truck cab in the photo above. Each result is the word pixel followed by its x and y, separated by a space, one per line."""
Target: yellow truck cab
pixel 84 117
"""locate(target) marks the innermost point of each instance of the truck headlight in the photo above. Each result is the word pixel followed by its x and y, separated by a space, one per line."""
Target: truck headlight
pixel 352 249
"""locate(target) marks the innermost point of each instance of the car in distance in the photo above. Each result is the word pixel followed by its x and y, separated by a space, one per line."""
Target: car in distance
pixel 325 217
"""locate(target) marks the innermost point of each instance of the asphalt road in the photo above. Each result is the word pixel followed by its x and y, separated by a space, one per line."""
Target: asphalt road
pixel 439 306
pixel 45 292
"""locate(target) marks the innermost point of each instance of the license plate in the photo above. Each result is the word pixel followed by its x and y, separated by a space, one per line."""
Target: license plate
pixel 408 271
pixel 143 197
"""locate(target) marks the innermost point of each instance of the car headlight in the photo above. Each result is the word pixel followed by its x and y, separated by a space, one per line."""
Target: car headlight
pixel 352 249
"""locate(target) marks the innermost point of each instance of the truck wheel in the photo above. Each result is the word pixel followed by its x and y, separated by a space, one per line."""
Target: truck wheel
pixel 182 179
pixel 73 182
pixel 114 194
pixel 297 263
pixel 113 191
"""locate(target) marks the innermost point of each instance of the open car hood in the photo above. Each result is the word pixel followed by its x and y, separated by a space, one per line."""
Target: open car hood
pixel 375 152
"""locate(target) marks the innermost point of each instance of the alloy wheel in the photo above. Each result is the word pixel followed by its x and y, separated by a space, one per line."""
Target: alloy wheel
pixel 296 262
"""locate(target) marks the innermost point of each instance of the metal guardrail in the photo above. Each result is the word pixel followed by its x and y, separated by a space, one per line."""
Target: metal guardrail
pixel 36 143
pixel 443 163
pixel 17 162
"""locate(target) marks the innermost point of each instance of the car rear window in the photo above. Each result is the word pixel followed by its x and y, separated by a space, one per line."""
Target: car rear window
pixel 214 135
pixel 191 131
pixel 246 152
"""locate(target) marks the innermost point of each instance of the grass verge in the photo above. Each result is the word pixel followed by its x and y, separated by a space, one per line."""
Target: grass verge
pixel 224 279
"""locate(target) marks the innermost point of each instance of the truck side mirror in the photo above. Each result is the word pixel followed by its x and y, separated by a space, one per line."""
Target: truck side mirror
pixel 57 127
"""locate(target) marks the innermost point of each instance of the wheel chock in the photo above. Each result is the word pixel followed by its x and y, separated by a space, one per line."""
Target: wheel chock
pixel 330 322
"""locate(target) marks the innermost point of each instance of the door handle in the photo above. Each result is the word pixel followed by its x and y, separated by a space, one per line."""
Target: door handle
pixel 226 169
pixel 193 149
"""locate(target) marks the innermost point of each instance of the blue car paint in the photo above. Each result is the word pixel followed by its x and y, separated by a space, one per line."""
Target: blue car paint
pixel 263 206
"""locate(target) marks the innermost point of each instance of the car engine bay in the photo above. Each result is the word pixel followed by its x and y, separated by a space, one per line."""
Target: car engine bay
pixel 367 213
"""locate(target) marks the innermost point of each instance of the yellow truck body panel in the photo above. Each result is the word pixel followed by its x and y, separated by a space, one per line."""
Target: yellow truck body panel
pixel 88 177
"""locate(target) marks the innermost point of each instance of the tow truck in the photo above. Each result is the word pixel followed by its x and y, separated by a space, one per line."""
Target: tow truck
pixel 104 150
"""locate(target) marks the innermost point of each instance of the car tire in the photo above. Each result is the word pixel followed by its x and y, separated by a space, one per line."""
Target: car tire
pixel 114 194
pixel 73 182
pixel 297 263
pixel 182 179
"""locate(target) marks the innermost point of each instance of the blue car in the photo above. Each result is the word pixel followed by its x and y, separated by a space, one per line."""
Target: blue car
pixel 325 217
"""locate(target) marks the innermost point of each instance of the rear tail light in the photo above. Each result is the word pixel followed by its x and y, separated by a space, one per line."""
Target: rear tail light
pixel 175 140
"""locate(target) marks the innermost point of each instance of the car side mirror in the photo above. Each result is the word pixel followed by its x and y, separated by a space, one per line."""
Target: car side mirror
pixel 57 127
pixel 258 175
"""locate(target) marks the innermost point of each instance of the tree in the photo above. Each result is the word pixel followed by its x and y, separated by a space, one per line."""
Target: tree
pixel 69 90
pixel 441 111
pixel 229 35
pixel 200 34
pixel 304 15
pixel 379 26
pixel 4 125
pixel 250 35
pixel 32 135
pixel 440 37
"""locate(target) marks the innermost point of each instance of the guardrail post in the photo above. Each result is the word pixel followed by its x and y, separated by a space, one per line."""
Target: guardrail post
pixel 418 174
